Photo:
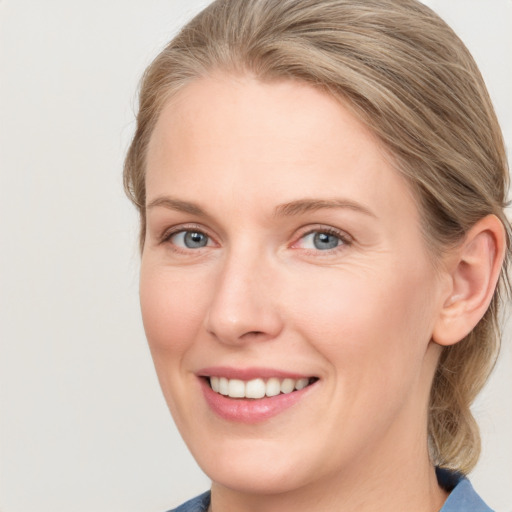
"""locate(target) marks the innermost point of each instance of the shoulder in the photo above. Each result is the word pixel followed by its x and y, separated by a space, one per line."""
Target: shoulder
pixel 462 496
pixel 197 504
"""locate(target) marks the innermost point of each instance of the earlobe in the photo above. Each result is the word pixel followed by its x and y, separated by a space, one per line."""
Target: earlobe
pixel 474 273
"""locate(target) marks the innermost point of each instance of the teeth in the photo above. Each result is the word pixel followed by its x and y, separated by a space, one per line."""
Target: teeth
pixel 287 386
pixel 236 388
pixel 273 387
pixel 256 388
pixel 223 386
pixel 301 384
pixel 214 381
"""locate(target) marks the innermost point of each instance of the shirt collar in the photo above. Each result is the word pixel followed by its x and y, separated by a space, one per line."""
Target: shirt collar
pixel 462 495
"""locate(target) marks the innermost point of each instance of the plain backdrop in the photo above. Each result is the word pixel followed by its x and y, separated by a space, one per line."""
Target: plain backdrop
pixel 83 425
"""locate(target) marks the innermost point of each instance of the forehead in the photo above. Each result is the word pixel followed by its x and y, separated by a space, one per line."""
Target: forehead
pixel 282 138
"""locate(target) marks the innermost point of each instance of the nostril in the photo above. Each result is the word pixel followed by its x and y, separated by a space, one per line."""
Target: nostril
pixel 252 334
pixel 248 323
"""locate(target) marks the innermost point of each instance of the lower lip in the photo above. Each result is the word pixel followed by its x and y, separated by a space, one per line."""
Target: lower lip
pixel 246 410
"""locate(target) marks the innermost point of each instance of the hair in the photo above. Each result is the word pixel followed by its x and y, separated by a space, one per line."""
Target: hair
pixel 408 77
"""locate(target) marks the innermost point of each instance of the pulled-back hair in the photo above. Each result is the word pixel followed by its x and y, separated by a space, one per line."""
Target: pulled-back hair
pixel 410 79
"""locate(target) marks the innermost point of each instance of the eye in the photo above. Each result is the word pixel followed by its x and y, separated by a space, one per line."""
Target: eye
pixel 322 240
pixel 189 239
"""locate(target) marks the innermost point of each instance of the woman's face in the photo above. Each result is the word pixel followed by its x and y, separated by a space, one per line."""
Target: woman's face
pixel 282 251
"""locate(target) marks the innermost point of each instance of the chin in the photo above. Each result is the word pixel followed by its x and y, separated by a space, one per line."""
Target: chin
pixel 261 480
pixel 255 470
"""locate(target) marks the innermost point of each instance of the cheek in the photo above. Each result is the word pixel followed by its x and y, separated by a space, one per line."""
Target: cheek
pixel 171 307
pixel 367 320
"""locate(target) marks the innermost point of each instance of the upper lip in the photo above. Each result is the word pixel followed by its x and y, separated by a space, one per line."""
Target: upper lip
pixel 249 373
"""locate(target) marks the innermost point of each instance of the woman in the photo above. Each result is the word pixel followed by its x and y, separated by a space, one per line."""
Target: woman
pixel 321 188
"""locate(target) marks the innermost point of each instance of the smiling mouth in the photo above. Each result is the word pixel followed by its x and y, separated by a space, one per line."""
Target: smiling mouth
pixel 257 388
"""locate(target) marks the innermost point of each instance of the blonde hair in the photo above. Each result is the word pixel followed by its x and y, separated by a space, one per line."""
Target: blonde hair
pixel 408 77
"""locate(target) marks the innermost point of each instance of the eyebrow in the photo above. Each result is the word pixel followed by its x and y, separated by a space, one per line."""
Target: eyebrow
pixel 177 205
pixel 297 207
pixel 302 206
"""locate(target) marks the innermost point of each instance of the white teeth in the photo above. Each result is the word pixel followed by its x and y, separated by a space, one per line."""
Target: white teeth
pixel 273 387
pixel 236 388
pixel 223 385
pixel 214 381
pixel 287 386
pixel 256 388
pixel 301 384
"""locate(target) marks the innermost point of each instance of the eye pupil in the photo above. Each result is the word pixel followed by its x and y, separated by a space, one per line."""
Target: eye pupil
pixel 194 239
pixel 325 241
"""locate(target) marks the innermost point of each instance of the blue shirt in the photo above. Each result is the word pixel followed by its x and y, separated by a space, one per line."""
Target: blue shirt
pixel 462 498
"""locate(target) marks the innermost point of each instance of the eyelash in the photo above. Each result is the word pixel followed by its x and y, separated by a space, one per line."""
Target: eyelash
pixel 190 228
pixel 345 240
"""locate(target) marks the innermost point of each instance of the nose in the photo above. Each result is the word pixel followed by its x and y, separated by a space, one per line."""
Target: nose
pixel 243 307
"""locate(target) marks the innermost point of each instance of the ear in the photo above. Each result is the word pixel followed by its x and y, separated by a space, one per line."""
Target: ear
pixel 474 268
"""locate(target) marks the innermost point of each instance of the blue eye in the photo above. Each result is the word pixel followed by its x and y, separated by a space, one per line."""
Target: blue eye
pixel 190 239
pixel 321 241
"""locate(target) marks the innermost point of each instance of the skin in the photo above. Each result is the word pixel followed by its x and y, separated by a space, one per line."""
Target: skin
pixel 360 317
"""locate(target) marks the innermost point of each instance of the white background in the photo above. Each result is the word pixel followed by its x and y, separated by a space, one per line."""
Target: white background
pixel 83 426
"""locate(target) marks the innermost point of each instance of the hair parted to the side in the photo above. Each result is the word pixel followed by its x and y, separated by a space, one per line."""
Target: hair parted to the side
pixel 407 76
